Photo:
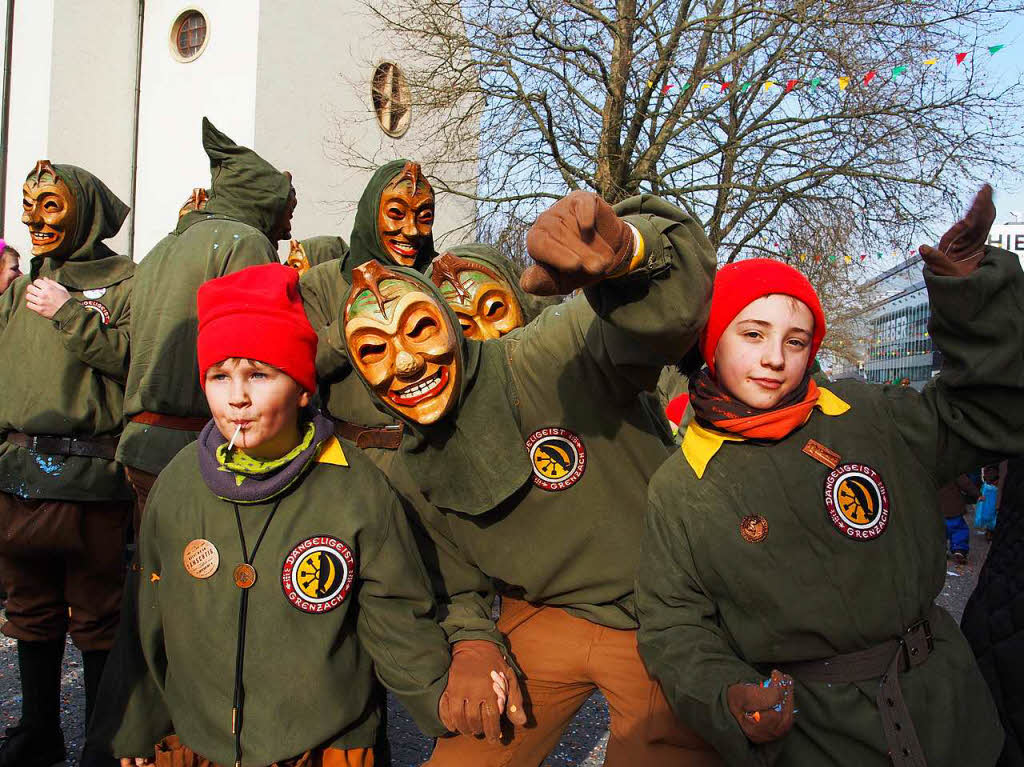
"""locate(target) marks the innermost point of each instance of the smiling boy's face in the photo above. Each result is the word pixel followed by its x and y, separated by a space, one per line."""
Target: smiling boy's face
pixel 262 399
pixel 764 353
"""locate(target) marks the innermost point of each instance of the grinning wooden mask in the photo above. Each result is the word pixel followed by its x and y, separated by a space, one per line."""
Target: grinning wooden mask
pixel 484 302
pixel 405 217
pixel 403 343
pixel 50 211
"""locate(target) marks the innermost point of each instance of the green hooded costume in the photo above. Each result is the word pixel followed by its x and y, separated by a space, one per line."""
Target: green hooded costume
pixel 323 249
pixel 247 199
pixel 540 471
pixel 324 288
pixel 65 377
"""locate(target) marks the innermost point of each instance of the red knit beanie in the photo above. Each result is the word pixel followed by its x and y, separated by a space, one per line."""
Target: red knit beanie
pixel 742 283
pixel 257 314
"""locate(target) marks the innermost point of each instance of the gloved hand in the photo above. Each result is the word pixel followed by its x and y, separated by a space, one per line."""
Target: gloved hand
pixel 963 246
pixel 470 704
pixel 754 707
pixel 576 242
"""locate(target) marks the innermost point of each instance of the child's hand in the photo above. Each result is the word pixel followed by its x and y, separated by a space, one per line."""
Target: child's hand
pixel 45 297
pixel 764 712
pixel 499 683
pixel 138 761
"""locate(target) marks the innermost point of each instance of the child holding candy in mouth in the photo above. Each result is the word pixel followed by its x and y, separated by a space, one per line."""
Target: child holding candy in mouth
pixel 277 572
pixel 793 552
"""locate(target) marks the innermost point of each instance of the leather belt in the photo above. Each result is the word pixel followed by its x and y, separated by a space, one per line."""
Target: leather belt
pixel 178 422
pixel 884 662
pixel 386 437
pixel 88 447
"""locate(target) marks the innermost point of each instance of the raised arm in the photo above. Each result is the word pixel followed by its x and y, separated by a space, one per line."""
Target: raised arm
pixel 646 270
pixel 972 413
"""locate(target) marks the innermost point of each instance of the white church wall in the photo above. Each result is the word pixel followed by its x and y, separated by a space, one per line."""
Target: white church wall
pixel 29 110
pixel 92 92
pixel 310 86
pixel 220 84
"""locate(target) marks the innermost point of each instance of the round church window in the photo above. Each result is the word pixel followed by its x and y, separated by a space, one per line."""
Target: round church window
pixel 189 35
pixel 391 99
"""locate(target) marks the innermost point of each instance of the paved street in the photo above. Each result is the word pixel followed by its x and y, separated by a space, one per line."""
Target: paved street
pixel 583 743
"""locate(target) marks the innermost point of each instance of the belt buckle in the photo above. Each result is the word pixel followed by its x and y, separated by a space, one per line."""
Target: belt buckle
pixel 909 653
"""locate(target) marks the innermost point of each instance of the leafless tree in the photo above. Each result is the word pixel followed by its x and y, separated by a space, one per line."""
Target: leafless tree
pixel 730 106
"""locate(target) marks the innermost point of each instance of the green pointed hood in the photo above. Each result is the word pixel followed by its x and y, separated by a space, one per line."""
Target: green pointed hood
pixel 473 458
pixel 365 239
pixel 243 187
pixel 490 256
pixel 100 216
pixel 320 250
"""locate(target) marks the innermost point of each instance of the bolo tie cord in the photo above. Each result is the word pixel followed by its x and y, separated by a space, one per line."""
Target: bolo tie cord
pixel 243 608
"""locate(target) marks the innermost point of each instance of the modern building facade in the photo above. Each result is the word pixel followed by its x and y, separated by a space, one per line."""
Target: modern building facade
pixel 895 342
pixel 120 88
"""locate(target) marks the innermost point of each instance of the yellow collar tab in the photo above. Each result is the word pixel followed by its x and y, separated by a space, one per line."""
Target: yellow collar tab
pixel 332 453
pixel 700 444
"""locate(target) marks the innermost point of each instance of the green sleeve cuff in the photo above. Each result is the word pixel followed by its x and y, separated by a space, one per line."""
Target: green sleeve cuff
pixel 70 312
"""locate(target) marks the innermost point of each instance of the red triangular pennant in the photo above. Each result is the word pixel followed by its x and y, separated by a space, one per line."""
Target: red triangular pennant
pixel 960 58
pixel 869 76
pixel 790 85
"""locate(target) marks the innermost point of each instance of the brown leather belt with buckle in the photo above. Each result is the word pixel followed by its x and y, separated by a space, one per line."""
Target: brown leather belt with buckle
pixel 386 437
pixel 87 447
pixel 884 662
pixel 178 422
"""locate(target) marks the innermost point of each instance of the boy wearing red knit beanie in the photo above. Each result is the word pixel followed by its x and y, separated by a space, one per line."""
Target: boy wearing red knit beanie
pixel 793 553
pixel 276 571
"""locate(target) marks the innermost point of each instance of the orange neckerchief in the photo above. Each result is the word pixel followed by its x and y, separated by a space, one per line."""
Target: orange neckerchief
pixel 719 408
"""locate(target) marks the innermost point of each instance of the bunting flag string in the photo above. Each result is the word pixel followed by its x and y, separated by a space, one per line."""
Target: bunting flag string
pixel 803 257
pixel 843 81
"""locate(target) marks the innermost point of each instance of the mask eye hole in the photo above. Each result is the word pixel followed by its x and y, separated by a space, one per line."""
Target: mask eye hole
pixel 495 309
pixel 466 325
pixel 370 353
pixel 424 328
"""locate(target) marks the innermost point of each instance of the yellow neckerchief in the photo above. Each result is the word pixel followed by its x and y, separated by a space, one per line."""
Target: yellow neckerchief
pixel 700 443
pixel 331 452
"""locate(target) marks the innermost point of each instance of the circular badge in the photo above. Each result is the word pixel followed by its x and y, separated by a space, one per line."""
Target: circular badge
pixel 201 558
pixel 857 501
pixel 317 574
pixel 100 309
pixel 754 528
pixel 244 575
pixel 558 458
pixel 94 293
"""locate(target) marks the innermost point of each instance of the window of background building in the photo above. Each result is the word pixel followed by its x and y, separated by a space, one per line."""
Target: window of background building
pixel 189 34
pixel 391 99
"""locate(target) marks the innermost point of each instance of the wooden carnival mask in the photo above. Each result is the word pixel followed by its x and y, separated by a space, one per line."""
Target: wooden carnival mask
pixel 403 343
pixel 196 201
pixel 484 302
pixel 297 258
pixel 50 212
pixel 405 218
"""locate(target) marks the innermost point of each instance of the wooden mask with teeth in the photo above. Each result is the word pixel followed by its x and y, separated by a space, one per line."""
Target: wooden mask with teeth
pixel 405 217
pixel 484 302
pixel 402 341
pixel 50 211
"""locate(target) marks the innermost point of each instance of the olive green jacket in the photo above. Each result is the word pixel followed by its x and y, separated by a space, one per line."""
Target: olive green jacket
pixel 540 473
pixel 717 609
pixel 247 195
pixel 308 675
pixel 65 377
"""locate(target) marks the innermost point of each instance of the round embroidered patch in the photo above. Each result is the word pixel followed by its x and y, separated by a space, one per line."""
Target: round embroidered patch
pixel 96 306
pixel 754 528
pixel 558 457
pixel 317 574
pixel 857 501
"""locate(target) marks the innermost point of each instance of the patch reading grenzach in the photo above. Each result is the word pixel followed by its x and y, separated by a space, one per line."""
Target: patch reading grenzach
pixel 558 458
pixel 317 574
pixel 857 501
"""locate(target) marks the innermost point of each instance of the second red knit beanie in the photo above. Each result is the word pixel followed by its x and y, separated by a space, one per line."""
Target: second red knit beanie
pixel 743 282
